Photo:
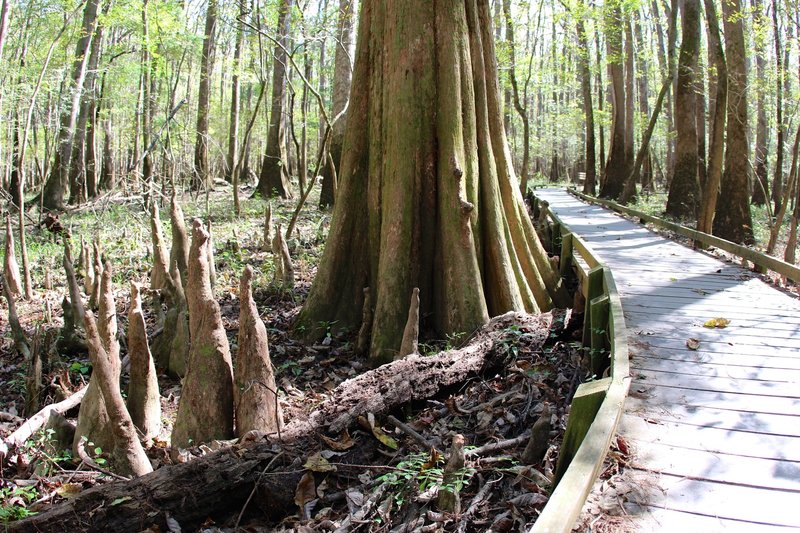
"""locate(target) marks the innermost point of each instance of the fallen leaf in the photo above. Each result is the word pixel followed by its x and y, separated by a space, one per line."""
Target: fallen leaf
pixel 529 499
pixel 384 438
pixel 305 492
pixel 345 442
pixel 317 463
pixel 70 490
pixel 120 500
pixel 718 322
pixel 369 423
pixel 692 343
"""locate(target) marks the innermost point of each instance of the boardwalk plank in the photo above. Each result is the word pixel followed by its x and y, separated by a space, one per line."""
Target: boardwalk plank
pixel 654 519
pixel 719 466
pixel 710 416
pixel 746 387
pixel 736 372
pixel 709 438
pixel 720 424
pixel 691 397
pixel 730 502
pixel 728 359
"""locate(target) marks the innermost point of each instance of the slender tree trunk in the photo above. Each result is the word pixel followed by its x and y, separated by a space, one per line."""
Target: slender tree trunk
pixel 233 131
pixel 274 178
pixel 646 173
pixel 5 10
pixel 684 188
pixel 733 220
pixel 58 180
pixel 629 186
pixel 147 101
pixel 780 80
pixel 518 102
pixel 761 181
pixel 408 212
pixel 77 162
pixel 705 217
pixel 342 77
pixel 201 178
pixel 590 182
pixel 601 140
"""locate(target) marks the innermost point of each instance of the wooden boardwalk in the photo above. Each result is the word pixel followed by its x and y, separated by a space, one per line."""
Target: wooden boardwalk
pixel 715 432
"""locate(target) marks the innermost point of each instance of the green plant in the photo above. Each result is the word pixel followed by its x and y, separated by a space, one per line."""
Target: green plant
pixel 419 473
pixel 14 502
pixel 292 366
pixel 328 327
pixel 43 449
pixel 81 367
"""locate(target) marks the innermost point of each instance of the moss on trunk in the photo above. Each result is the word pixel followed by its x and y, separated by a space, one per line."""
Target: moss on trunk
pixel 427 195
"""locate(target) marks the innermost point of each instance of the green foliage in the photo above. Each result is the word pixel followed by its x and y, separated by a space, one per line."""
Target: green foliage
pixel 81 367
pixel 421 472
pixel 14 502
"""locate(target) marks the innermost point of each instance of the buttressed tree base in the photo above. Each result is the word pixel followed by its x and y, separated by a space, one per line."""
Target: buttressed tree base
pixel 427 195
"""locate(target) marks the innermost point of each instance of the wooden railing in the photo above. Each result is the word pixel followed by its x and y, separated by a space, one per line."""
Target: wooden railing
pixel 762 260
pixel 597 406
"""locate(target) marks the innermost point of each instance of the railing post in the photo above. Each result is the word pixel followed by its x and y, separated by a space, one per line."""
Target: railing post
pixel 583 409
pixel 594 282
pixel 566 254
pixel 598 335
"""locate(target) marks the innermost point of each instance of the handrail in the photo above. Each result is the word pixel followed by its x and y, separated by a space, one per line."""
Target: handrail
pixel 783 268
pixel 596 408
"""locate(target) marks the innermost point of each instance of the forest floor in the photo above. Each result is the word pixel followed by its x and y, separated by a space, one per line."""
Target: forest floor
pixel 395 488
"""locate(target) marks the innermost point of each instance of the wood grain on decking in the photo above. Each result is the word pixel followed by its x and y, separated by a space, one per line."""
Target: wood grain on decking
pixel 715 431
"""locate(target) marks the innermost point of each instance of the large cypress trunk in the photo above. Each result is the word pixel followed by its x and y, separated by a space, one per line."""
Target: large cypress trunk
pixel 684 189
pixel 733 220
pixel 616 170
pixel 428 196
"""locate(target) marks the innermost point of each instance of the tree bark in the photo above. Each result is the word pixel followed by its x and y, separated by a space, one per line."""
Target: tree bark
pixel 760 193
pixel 95 422
pixel 160 257
pixel 233 127
pixel 147 100
pixel 518 100
pixel 205 410
pixel 10 266
pixel 780 81
pixel 733 220
pixel 705 218
pixel 179 253
pixel 342 78
pixel 5 10
pixel 590 181
pixel 128 455
pixel 201 177
pixel 77 161
pixel 428 197
pixel 144 403
pixel 256 393
pixel 684 188
pixel 274 177
pixel 58 180
pixel 629 186
pixel 616 168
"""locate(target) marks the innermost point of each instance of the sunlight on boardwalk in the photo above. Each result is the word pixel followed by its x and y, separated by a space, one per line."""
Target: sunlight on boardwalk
pixel 715 431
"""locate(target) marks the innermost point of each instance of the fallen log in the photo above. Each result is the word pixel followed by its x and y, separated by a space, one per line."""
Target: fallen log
pixel 217 485
pixel 37 421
